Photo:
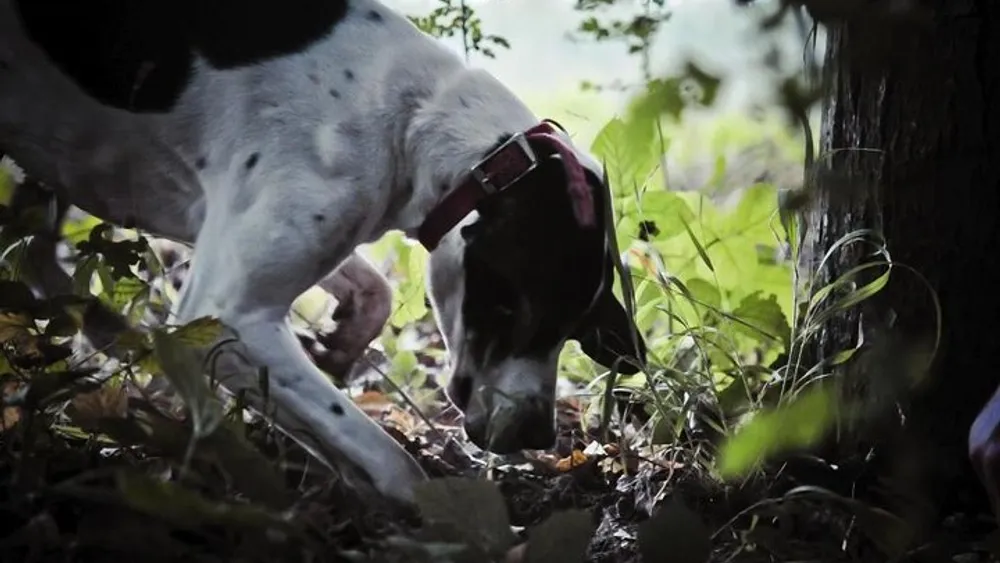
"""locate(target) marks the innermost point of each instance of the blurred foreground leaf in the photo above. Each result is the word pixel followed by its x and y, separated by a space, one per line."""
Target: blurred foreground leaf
pixel 182 364
pixel 184 508
pixel 474 510
pixel 797 424
pixel 563 538
pixel 676 534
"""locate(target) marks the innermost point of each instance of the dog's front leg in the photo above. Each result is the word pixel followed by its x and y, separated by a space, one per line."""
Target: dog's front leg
pixel 247 269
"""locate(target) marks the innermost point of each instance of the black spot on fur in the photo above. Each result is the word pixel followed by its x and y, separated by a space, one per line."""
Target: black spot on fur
pixel 336 409
pixel 314 78
pixel 374 16
pixel 201 163
pixel 139 55
pixel 319 218
pixel 252 161
pixel 463 101
pixel 350 129
pixel 348 74
pixel 334 93
pixel 399 200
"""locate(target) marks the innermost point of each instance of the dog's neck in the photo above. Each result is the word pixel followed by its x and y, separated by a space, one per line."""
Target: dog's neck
pixel 466 115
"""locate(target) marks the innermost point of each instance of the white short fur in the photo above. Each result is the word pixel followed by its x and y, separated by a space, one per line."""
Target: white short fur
pixel 328 177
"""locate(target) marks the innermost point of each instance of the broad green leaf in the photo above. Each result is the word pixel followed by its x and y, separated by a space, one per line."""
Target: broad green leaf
pixel 797 424
pixel 753 215
pixel 667 210
pixel 6 187
pixel 734 260
pixel 765 316
pixel 201 332
pixel 705 292
pixel 671 96
pixel 185 508
pixel 404 364
pixel 630 151
pixel 676 534
pixel 473 507
pixel 408 298
pixel 564 536
pixel 83 275
pixel 124 291
pixel 76 231
pixel 182 364
pixel 769 279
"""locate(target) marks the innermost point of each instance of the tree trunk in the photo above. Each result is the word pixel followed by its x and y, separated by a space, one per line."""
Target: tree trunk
pixel 913 127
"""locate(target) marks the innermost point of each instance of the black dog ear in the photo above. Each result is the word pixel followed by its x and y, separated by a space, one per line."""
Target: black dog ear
pixel 606 332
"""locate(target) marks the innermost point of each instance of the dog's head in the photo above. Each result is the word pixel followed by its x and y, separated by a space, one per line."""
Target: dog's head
pixel 516 278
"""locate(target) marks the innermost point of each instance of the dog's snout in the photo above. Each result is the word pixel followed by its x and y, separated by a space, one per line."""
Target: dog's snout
pixel 525 425
pixel 536 426
pixel 460 391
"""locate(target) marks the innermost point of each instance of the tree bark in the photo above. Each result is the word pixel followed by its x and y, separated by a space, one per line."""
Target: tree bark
pixel 913 127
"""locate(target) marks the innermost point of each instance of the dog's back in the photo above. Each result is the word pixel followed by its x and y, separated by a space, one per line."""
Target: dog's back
pixel 233 85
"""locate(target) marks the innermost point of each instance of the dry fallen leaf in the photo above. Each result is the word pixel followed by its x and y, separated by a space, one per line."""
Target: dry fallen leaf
pixel 13 325
pixel 10 415
pixel 107 401
pixel 374 404
pixel 401 420
pixel 572 461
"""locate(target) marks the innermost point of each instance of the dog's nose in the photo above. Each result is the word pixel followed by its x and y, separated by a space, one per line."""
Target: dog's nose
pixel 528 426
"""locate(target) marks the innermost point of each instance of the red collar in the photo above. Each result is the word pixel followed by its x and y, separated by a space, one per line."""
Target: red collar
pixel 501 169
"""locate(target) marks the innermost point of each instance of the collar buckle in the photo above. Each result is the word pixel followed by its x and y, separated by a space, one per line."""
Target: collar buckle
pixel 505 158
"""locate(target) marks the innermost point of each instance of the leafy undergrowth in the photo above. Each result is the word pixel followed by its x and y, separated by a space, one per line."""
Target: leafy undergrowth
pixel 699 457
pixel 104 473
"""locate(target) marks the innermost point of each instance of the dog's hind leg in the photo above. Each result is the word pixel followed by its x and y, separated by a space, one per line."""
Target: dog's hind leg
pixel 364 303
pixel 250 263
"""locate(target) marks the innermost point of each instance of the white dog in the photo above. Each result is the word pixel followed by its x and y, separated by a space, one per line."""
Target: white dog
pixel 278 141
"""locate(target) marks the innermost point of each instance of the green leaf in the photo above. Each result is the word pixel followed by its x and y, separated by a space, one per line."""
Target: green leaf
pixel 184 508
pixel 630 151
pixel 6 187
pixel 201 332
pixel 753 215
pixel 78 230
pixel 671 96
pixel 249 470
pixel 125 290
pixel 797 424
pixel 473 508
pixel 404 364
pixel 564 537
pixel 705 292
pixel 182 364
pixel 667 210
pixel 84 274
pixel 763 315
pixel 698 246
pixel 408 298
pixel 734 259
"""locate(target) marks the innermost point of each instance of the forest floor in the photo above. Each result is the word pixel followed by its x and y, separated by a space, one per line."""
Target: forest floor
pixel 72 495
